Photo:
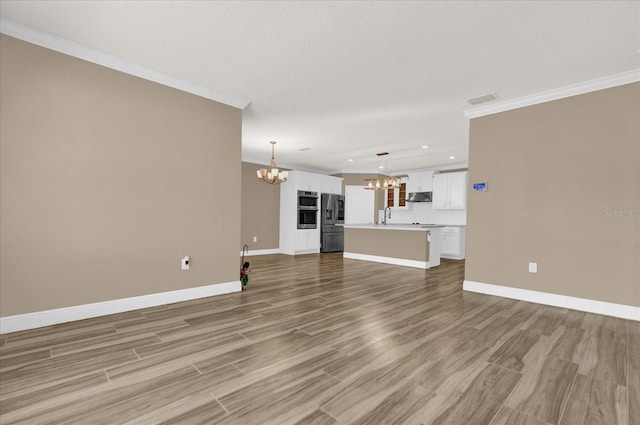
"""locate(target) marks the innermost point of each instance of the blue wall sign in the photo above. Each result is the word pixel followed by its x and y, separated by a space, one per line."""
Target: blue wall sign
pixel 480 186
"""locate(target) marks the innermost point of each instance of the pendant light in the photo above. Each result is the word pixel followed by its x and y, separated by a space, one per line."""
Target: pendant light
pixel 272 175
pixel 384 183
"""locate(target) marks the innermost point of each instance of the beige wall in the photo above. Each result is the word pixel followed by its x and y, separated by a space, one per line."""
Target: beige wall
pixel 563 191
pixel 107 181
pixel 260 210
pixel 404 244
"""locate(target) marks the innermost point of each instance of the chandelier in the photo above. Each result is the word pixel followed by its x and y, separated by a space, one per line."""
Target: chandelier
pixel 272 175
pixel 384 182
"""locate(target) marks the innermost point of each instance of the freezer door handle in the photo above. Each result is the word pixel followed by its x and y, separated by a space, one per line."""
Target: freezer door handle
pixel 329 215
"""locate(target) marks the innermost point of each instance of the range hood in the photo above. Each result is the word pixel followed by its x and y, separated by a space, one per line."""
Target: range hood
pixel 419 197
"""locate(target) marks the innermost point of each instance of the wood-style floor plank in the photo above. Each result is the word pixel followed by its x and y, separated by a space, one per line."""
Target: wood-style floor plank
pixel 572 345
pixel 318 417
pixel 544 393
pixel 484 396
pixel 605 355
pixel 320 340
pixel 201 409
pixel 511 354
pixel 592 401
pixel 398 407
pixel 634 396
pixel 633 389
pixel 507 416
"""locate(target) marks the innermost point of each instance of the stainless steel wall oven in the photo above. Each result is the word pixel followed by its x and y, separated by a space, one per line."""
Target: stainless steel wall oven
pixel 307 200
pixel 307 219
pixel 307 210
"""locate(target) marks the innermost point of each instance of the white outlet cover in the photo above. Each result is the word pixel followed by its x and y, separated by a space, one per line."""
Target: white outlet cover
pixel 533 267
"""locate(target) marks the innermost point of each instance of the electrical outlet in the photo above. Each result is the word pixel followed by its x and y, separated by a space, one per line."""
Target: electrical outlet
pixel 533 267
pixel 255 239
pixel 185 263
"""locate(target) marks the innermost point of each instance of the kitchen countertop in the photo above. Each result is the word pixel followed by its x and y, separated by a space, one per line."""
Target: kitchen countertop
pixel 394 226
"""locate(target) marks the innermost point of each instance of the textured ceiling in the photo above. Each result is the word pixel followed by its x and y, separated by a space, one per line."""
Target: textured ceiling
pixel 349 79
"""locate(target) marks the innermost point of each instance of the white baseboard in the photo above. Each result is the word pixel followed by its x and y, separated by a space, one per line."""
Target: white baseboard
pixel 592 306
pixel 307 251
pixel 252 252
pixel 451 257
pixel 387 260
pixel 38 319
pixel 301 252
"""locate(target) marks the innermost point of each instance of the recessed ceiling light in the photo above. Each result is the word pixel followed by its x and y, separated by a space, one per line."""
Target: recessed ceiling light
pixel 425 146
pixel 452 157
pixel 381 166
pixel 350 159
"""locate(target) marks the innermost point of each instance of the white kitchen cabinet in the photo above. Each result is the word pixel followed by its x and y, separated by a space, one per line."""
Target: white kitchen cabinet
pixel 307 241
pixel 331 184
pixel 450 191
pixel 303 180
pixel 302 241
pixel 435 240
pixel 420 182
pixel 396 198
pixel 359 205
pixel 312 182
pixel 453 242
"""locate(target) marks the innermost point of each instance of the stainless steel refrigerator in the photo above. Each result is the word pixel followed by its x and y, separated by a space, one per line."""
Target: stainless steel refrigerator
pixel 332 219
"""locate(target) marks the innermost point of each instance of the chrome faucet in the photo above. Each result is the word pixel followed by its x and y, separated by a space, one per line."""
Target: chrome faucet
pixel 384 217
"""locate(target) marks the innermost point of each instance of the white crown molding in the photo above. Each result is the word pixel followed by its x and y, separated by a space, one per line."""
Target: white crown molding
pixel 80 51
pixel 39 319
pixel 574 303
pixel 555 94
pixel 257 161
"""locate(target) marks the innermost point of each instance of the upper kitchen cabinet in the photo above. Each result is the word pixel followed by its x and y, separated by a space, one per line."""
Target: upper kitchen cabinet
pixel 420 182
pixel 301 180
pixel 397 197
pixel 450 191
pixel 312 182
pixel 330 184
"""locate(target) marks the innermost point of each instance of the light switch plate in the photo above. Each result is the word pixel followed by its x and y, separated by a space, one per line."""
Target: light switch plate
pixel 533 267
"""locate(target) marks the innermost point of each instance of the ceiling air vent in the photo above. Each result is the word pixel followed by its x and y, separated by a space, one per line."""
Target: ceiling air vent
pixel 483 99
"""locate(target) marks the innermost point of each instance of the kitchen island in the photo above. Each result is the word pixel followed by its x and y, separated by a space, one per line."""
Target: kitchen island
pixel 411 245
